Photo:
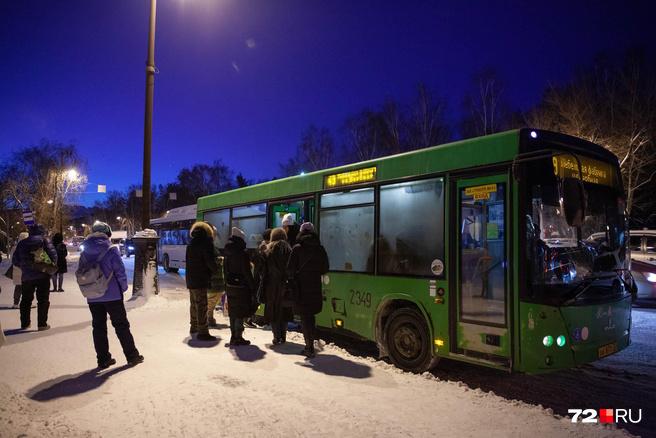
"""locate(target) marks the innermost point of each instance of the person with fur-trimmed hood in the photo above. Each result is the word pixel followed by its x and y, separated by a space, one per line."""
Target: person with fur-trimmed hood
pixel 99 250
pixel 201 265
pixel 33 280
pixel 307 263
pixel 276 311
pixel 240 285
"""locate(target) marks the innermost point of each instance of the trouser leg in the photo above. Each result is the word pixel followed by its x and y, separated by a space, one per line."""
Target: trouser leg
pixel 17 294
pixel 119 317
pixel 99 324
pixel 236 327
pixel 201 310
pixel 275 329
pixel 213 299
pixel 308 327
pixel 27 296
pixel 193 319
pixel 43 301
pixel 60 280
pixel 54 281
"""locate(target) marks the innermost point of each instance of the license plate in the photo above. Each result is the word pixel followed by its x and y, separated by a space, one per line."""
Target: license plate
pixel 607 349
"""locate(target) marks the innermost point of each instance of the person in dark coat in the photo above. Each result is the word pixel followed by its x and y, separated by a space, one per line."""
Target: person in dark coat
pixel 111 303
pixel 240 285
pixel 33 280
pixel 62 253
pixel 201 265
pixel 307 263
pixel 276 311
pixel 259 271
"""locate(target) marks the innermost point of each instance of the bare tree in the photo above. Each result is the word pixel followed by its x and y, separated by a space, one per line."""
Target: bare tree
pixel 43 178
pixel 428 126
pixel 485 107
pixel 614 106
pixel 315 151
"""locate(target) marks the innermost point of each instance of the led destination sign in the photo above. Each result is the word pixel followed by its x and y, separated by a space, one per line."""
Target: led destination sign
pixel 351 177
pixel 593 171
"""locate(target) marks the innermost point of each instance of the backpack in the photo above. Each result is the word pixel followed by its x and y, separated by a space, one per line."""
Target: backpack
pixel 92 281
pixel 42 262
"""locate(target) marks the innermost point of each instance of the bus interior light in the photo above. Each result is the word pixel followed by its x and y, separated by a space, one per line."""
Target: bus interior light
pixel 547 341
pixel 439 342
pixel 560 341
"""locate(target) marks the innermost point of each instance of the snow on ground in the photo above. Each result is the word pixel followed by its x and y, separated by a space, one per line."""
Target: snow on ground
pixel 49 385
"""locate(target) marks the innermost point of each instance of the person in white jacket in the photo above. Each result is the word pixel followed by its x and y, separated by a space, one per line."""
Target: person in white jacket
pixel 16 273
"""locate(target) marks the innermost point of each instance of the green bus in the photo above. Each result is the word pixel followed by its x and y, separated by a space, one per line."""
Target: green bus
pixel 508 251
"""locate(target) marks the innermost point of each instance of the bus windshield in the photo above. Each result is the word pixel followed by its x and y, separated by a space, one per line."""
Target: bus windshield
pixel 567 261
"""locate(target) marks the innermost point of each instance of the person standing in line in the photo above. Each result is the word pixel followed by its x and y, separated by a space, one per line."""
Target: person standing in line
pixel 62 253
pixel 201 265
pixel 240 285
pixel 307 263
pixel 33 280
pixel 291 228
pixel 99 251
pixel 217 283
pixel 259 270
pixel 277 312
pixel 16 272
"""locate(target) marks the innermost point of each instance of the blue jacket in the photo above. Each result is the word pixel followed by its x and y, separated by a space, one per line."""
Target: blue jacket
pixel 94 245
pixel 23 257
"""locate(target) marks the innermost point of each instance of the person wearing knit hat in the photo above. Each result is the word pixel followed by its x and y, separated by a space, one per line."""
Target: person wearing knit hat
pixel 291 228
pixel 238 233
pixel 99 252
pixel 240 285
pixel 101 227
pixel 307 263
pixel 34 280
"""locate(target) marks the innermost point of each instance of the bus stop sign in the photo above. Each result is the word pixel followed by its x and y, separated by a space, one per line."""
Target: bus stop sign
pixel 28 217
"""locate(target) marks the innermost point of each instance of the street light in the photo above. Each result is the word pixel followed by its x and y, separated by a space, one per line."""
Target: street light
pixel 148 120
pixel 50 201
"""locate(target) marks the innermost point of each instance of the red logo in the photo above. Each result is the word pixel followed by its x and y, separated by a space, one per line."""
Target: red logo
pixel 606 416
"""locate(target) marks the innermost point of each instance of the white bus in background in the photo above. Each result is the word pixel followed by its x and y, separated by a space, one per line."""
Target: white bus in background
pixel 173 231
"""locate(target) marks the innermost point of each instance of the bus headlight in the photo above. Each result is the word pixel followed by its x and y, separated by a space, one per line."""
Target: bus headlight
pixel 547 341
pixel 560 341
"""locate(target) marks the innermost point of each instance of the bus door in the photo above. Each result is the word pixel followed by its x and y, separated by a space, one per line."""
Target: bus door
pixel 302 210
pixel 480 235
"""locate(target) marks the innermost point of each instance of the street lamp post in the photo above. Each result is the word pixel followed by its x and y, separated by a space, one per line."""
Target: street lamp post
pixel 148 125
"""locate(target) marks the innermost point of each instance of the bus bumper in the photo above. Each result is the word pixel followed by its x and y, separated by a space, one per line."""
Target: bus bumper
pixel 554 338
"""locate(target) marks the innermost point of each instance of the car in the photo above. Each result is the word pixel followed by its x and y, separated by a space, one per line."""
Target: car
pixel 129 248
pixel 643 262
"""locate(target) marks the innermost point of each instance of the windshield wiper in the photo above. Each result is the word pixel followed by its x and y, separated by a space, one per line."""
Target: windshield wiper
pixel 585 284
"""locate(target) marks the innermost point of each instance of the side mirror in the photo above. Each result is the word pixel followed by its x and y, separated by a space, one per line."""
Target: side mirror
pixel 574 200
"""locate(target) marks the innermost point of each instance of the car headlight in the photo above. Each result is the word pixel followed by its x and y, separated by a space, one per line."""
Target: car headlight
pixel 651 277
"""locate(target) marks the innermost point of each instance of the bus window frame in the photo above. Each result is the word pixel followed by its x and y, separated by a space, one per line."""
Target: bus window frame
pixel 446 180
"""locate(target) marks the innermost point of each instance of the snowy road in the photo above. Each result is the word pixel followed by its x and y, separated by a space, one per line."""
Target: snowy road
pixel 49 387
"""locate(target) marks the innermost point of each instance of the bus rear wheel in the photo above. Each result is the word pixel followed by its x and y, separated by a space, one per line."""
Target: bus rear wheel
pixel 408 341
pixel 167 266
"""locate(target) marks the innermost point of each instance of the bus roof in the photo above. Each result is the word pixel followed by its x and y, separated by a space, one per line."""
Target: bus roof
pixel 186 213
pixel 488 150
pixel 498 147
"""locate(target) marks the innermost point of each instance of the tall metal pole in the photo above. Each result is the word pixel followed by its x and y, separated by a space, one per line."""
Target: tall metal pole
pixel 148 125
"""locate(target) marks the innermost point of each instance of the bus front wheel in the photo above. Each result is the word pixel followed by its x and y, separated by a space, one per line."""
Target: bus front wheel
pixel 408 341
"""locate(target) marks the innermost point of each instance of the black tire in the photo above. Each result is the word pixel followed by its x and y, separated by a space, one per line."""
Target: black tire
pixel 408 341
pixel 165 264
